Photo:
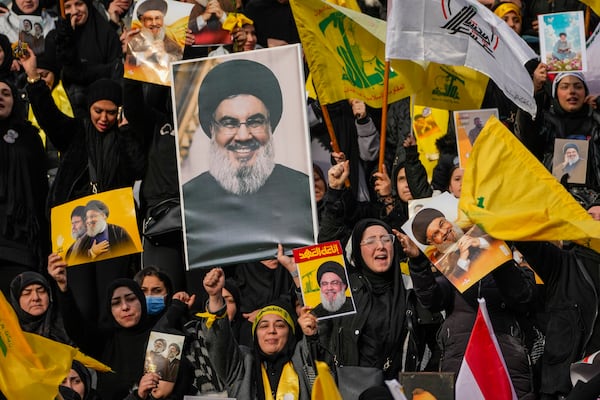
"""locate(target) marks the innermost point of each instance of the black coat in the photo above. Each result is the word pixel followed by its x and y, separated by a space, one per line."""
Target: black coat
pixel 509 292
pixel 116 155
pixel 571 280
pixel 554 123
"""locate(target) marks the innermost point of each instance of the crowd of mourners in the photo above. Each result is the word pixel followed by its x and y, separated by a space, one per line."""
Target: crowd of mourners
pixel 247 333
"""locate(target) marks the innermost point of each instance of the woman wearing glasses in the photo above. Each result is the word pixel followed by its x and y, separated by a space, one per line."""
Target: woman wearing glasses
pixel 376 335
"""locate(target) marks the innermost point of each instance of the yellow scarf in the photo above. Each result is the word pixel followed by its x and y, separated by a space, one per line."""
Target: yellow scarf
pixel 288 383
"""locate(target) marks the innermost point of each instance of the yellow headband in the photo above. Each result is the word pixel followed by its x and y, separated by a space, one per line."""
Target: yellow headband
pixel 236 20
pixel 277 311
pixel 505 8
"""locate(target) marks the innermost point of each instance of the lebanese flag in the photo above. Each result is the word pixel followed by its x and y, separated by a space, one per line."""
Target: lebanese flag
pixel 483 373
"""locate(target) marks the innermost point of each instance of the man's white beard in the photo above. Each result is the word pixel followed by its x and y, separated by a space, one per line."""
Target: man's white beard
pixel 451 246
pixel 98 228
pixel 571 162
pixel 245 179
pixel 150 37
pixel 335 304
pixel 79 233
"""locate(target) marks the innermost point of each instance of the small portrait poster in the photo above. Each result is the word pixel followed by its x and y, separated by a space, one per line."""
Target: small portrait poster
pixel 31 31
pixel 562 41
pixel 95 227
pixel 469 124
pixel 463 254
pixel 244 156
pixel 570 157
pixel 415 205
pixel 156 40
pixel 210 32
pixel 428 124
pixel 324 280
pixel 163 355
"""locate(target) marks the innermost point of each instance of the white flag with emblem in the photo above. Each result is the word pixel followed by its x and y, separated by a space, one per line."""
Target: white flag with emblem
pixel 462 32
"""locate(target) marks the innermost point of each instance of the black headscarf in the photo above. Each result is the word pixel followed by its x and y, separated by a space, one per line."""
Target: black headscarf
pixel 232 288
pixel 68 394
pixel 49 324
pixel 94 38
pixel 387 296
pixel 8 56
pixel 85 376
pixel 273 363
pixel 125 348
pixel 109 320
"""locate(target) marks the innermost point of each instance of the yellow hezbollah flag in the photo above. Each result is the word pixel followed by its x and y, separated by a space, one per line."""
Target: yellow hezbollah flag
pixel 32 366
pixel 29 370
pixel 452 87
pixel 594 5
pixel 324 386
pixel 345 50
pixel 512 196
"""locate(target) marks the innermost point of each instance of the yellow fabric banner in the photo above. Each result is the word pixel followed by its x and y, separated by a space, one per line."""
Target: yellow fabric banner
pixel 452 88
pixel 324 386
pixel 512 196
pixel 29 369
pixel 594 5
pixel 345 50
pixel 32 366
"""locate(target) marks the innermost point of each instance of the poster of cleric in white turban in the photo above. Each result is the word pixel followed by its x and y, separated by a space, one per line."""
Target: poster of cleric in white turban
pixel 244 156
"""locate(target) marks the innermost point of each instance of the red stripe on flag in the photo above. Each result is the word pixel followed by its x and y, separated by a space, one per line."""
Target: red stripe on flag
pixel 486 363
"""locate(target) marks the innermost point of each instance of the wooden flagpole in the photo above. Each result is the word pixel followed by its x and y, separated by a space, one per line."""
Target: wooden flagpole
pixel 386 78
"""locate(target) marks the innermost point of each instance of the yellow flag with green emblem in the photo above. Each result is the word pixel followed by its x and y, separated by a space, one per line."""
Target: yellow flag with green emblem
pixel 512 196
pixel 32 366
pixel 452 87
pixel 345 51
pixel 594 5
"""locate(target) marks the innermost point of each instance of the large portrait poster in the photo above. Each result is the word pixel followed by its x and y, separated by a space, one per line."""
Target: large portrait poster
pixel 95 227
pixel 464 254
pixel 244 158
pixel 160 39
pixel 562 41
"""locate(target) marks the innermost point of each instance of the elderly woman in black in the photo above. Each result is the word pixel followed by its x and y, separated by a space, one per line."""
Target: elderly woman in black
pixel 31 297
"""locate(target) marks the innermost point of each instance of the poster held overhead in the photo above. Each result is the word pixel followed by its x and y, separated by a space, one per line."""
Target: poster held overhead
pixel 246 181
